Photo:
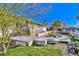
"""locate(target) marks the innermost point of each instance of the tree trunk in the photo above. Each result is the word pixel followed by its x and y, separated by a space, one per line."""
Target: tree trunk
pixel 4 44
pixel 9 39
pixel 4 48
pixel 4 40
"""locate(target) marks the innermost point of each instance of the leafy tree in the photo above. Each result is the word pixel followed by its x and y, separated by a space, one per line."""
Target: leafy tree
pixel 6 20
pixel 20 21
pixel 56 24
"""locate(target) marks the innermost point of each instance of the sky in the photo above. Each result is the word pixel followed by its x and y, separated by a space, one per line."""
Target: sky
pixel 65 12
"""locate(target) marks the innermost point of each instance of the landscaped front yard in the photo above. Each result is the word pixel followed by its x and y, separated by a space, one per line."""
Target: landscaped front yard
pixel 31 51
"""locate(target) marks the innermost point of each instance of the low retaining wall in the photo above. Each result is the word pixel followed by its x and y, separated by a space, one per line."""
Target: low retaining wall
pixel 44 33
pixel 23 40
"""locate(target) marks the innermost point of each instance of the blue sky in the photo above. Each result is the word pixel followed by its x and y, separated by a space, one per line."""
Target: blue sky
pixel 65 12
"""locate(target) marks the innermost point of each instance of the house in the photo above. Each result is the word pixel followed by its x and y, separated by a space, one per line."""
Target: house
pixel 37 28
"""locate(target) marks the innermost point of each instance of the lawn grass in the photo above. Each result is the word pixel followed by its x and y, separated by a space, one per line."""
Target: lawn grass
pixel 31 51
